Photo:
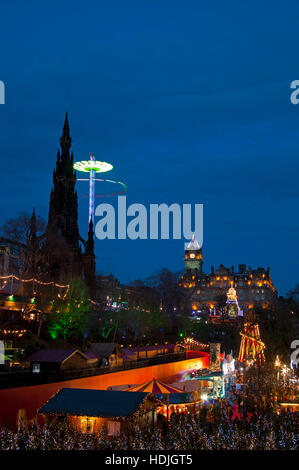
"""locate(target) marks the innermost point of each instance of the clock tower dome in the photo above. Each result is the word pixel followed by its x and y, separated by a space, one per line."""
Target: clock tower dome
pixel 193 256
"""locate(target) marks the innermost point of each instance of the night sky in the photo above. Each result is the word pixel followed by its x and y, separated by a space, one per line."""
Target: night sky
pixel 189 100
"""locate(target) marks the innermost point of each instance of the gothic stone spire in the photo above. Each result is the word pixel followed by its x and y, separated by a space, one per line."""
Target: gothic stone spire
pixel 63 209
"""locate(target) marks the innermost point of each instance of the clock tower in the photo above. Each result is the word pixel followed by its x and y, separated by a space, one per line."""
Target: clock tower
pixel 193 256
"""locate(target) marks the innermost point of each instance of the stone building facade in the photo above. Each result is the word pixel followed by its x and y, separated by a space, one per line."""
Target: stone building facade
pixel 208 291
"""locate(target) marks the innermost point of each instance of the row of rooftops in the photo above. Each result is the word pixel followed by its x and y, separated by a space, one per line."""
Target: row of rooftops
pixel 56 355
pixel 95 351
pixel 228 274
pixel 242 271
pixel 108 403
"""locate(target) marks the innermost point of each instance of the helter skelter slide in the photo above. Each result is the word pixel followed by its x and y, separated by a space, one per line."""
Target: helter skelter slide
pixel 251 347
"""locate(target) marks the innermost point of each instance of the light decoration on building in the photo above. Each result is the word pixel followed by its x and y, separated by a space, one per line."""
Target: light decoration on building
pixel 277 362
pixel 285 369
pixel 228 364
pixel 194 345
pixel 233 308
pixel 93 166
pixel 13 277
pixel 181 408
pixel 19 333
pixel 251 347
pixel 224 366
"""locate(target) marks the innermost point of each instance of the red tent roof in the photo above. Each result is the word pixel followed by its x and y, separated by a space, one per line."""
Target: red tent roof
pixel 154 386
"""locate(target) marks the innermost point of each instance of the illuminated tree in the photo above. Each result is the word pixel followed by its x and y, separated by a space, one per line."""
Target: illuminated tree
pixel 71 313
pixel 107 323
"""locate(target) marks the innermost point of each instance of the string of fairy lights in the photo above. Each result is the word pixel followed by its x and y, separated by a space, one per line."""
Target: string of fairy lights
pixel 13 277
pixel 37 281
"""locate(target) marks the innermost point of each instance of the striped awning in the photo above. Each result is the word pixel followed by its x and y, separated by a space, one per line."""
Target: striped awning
pixel 154 386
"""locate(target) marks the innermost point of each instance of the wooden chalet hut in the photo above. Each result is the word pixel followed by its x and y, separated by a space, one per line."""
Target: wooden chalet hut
pixel 107 353
pixel 92 410
pixel 59 360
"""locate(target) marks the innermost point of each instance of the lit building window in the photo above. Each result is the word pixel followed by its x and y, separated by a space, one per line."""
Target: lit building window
pixel 87 425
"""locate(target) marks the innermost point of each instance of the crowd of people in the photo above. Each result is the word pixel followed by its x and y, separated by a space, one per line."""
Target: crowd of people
pixel 244 420
pixel 185 432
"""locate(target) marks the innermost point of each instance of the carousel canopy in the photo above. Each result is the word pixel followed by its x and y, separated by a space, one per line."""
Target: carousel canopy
pixel 154 386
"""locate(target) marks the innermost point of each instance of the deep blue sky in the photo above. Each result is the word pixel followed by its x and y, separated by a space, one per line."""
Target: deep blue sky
pixel 189 101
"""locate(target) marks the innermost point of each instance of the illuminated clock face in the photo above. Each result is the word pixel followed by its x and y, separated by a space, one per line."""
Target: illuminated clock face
pixel 192 255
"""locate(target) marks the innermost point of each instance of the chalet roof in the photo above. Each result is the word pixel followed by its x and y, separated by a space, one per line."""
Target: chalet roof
pixel 98 403
pixel 128 352
pixel 90 355
pixel 52 355
pixel 193 244
pixel 102 349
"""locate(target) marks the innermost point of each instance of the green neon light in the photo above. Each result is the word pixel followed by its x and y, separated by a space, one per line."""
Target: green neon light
pixel 93 165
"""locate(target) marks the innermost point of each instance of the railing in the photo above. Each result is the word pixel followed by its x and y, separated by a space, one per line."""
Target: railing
pixel 27 377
